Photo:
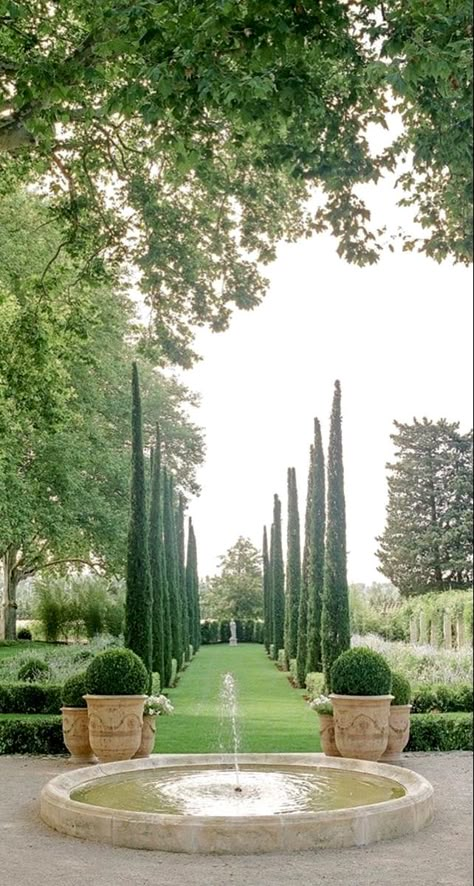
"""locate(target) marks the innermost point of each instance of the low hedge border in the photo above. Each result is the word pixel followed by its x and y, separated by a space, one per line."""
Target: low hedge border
pixel 31 735
pixel 441 732
pixel 30 698
pixel 443 699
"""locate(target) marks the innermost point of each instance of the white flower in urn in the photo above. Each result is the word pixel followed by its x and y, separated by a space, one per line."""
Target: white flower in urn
pixel 322 705
pixel 157 704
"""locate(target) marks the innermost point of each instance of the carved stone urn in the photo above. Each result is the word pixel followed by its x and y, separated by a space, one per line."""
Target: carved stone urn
pixel 148 736
pixel 361 725
pixel 76 734
pixel 115 725
pixel 398 732
pixel 327 735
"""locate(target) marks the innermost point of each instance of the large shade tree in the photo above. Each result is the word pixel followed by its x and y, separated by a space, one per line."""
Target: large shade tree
pixel 65 355
pixel 237 591
pixel 427 542
pixel 186 137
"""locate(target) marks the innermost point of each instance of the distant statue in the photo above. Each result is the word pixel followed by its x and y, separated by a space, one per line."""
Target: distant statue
pixel 233 634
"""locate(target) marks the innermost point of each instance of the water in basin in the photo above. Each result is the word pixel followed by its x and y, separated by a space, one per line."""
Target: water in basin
pixel 261 791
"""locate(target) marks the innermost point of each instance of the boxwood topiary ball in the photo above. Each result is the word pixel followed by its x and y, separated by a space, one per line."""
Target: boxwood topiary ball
pixel 361 671
pixel 73 691
pixel 116 672
pixel 34 670
pixel 401 689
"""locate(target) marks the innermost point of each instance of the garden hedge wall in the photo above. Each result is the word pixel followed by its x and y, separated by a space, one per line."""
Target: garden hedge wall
pixel 441 732
pixel 31 735
pixel 30 698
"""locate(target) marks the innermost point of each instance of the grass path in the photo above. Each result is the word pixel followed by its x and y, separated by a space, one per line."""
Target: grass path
pixel 272 716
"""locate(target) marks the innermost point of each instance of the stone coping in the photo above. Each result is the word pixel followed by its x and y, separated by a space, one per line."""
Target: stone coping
pixel 336 829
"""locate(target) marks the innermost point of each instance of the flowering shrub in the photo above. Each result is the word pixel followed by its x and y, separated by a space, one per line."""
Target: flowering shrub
pixel 158 704
pixel 422 665
pixel 322 705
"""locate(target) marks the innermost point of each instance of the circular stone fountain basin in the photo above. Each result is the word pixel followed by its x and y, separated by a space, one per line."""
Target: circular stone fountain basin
pixel 286 802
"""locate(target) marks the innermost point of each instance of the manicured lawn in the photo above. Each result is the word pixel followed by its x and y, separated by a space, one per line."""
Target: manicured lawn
pixel 272 716
pixel 25 646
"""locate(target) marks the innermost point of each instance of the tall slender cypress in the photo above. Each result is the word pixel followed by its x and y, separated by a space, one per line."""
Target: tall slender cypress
pixel 302 652
pixel 172 571
pixel 194 587
pixel 267 597
pixel 336 634
pixel 138 605
pixel 190 590
pixel 155 543
pixel 180 543
pixel 317 554
pixel 293 566
pixel 278 580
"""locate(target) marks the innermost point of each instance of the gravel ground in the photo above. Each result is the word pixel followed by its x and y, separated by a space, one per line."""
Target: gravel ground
pixel 30 853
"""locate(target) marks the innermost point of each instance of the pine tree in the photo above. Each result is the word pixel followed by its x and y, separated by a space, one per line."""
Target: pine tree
pixel 172 570
pixel 336 634
pixel 427 542
pixel 138 606
pixel 302 652
pixel 293 567
pixel 155 544
pixel 278 580
pixel 317 555
pixel 267 595
pixel 180 540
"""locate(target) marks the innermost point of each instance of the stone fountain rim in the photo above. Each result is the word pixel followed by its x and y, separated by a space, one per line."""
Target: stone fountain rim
pixel 360 825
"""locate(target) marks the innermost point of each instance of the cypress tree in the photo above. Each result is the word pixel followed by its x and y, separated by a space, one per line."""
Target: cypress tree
pixel 302 653
pixel 182 576
pixel 195 588
pixel 267 596
pixel 155 543
pixel 138 605
pixel 293 567
pixel 336 634
pixel 278 580
pixel 317 554
pixel 190 591
pixel 172 570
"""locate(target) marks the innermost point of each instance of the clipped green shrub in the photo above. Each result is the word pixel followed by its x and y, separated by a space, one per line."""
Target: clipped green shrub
pixel 272 651
pixel 32 735
pixel 441 732
pixel 314 684
pixel 401 689
pixel 30 698
pixel 24 634
pixel 116 672
pixel 443 699
pixel 73 691
pixel 33 670
pixel 361 671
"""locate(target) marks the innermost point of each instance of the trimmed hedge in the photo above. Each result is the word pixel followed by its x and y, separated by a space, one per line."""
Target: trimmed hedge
pixel 31 735
pixel 30 698
pixel 361 671
pixel 116 672
pixel 443 699
pixel 401 689
pixel 441 732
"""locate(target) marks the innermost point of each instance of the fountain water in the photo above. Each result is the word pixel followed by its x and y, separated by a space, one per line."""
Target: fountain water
pixel 229 703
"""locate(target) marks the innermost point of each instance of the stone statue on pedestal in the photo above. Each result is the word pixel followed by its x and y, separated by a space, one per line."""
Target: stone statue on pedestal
pixel 233 634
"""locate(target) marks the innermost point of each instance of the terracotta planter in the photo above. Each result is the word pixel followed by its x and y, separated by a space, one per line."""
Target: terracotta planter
pixel 361 725
pixel 115 725
pixel 398 732
pixel 76 734
pixel 148 736
pixel 326 732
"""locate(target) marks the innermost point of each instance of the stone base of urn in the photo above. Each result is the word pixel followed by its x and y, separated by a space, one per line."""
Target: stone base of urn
pixel 327 736
pixel 361 725
pixel 76 735
pixel 148 736
pixel 115 725
pixel 398 733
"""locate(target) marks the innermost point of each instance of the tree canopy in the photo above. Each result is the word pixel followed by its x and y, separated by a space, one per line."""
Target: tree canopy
pixel 237 591
pixel 427 542
pixel 184 138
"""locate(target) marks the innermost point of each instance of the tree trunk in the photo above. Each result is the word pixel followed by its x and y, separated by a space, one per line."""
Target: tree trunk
pixel 10 584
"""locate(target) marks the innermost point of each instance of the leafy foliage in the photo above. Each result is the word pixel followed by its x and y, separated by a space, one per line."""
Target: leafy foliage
pixel 30 698
pixel 278 580
pixel 32 735
pixel 361 671
pixel 443 699
pixel 186 138
pixel 441 732
pixel 302 648
pixel 33 670
pixel 427 543
pixel 74 690
pixel 116 672
pixel 401 689
pixel 317 554
pixel 237 591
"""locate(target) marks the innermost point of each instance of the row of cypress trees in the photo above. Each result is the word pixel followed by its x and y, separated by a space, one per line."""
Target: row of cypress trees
pixel 311 620
pixel 162 615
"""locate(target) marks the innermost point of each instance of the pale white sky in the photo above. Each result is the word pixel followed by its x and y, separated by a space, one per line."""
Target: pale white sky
pixel 398 336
